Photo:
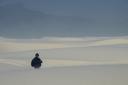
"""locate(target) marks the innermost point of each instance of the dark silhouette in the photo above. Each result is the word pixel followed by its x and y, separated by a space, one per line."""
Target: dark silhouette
pixel 36 61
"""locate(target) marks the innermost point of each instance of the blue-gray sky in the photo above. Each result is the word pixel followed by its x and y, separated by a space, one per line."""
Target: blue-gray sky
pixel 39 18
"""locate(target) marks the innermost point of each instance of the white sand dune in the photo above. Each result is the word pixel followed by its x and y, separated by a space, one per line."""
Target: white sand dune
pixel 51 63
pixel 79 75
pixel 92 61
pixel 15 45
pixel 19 63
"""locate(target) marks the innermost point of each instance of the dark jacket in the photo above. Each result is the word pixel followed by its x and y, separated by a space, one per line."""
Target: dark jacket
pixel 36 62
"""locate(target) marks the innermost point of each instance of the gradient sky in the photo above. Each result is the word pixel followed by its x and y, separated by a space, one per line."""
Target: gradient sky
pixel 77 7
pixel 64 18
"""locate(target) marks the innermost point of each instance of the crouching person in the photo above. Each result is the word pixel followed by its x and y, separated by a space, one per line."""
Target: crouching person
pixel 36 61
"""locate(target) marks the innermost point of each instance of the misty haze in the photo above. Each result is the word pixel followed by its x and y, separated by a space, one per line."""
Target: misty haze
pixel 63 18
pixel 68 42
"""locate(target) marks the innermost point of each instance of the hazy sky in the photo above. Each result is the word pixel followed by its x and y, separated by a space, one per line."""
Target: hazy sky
pixel 39 18
pixel 77 7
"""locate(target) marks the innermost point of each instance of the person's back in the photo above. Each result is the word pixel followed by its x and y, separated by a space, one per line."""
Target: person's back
pixel 36 62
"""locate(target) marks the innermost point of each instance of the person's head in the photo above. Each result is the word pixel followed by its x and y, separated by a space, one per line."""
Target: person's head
pixel 37 55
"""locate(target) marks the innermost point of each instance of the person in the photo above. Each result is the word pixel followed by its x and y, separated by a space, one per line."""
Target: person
pixel 36 61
